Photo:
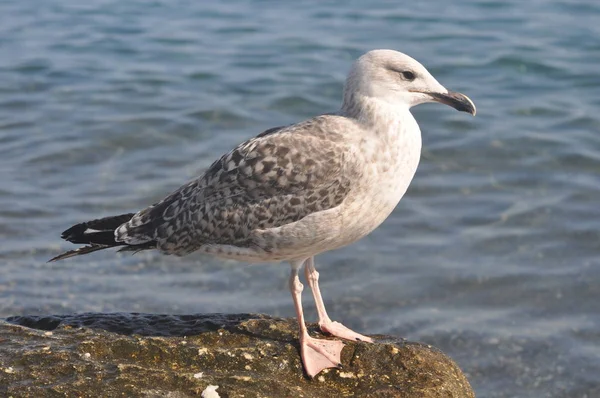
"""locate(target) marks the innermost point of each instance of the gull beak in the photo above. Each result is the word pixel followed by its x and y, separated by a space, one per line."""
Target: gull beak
pixel 458 101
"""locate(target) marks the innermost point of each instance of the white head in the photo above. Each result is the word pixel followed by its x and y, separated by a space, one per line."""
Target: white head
pixel 399 80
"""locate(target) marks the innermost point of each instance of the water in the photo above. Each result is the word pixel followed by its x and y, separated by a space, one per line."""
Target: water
pixel 493 254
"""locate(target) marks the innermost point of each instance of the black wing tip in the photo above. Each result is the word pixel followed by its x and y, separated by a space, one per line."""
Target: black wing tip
pixel 59 257
pixel 77 252
pixel 95 247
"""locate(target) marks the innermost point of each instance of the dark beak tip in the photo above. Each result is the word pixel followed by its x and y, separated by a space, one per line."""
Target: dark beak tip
pixel 458 101
pixel 473 110
pixel 462 103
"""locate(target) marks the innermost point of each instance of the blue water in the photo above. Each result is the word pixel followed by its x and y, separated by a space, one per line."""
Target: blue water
pixel 493 255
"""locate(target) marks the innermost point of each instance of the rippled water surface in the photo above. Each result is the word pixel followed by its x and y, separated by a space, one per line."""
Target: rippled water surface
pixel 493 255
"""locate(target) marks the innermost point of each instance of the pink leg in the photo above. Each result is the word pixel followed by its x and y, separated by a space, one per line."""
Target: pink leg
pixel 326 324
pixel 316 354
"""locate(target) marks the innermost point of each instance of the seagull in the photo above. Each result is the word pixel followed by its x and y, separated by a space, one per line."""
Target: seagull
pixel 295 191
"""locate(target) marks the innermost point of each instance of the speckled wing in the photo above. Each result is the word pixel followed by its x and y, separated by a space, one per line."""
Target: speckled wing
pixel 276 178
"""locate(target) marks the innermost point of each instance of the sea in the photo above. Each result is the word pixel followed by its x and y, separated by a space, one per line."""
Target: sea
pixel 493 255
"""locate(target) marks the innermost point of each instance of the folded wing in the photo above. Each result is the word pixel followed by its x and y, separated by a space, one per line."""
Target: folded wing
pixel 278 177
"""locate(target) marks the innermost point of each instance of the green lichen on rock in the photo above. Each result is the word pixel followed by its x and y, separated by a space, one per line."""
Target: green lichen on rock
pixel 245 355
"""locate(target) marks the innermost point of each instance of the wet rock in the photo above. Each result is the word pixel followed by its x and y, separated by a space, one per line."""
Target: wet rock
pixel 214 355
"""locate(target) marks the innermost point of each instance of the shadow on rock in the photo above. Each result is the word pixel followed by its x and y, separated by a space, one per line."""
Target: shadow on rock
pixel 139 323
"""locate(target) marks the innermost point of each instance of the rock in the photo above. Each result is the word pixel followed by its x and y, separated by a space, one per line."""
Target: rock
pixel 214 355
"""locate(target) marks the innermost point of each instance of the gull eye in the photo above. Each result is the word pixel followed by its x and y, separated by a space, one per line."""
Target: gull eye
pixel 407 75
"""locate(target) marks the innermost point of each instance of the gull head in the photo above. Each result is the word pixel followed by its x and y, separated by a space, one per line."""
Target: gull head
pixel 395 78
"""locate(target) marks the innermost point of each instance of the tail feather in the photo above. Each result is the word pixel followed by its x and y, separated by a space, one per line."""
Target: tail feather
pixel 98 235
pixel 101 231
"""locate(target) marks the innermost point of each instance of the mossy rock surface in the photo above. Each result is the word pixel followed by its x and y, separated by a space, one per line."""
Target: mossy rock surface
pixel 245 355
